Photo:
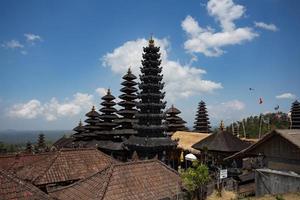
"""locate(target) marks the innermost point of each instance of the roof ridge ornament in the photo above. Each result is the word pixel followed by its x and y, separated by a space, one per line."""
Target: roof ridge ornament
pixel 151 40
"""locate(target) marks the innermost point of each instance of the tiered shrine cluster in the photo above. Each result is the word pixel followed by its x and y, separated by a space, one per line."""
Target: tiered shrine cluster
pixel 140 127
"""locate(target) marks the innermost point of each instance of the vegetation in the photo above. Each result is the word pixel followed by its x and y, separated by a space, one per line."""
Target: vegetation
pixel 195 179
pixel 225 195
pixel 252 124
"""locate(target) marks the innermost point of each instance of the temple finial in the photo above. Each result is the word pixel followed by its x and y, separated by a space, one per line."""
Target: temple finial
pixel 80 123
pixel 108 91
pixel 151 41
pixel 93 108
pixel 129 70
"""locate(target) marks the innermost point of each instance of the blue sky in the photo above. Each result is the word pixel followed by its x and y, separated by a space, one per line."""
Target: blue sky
pixel 57 57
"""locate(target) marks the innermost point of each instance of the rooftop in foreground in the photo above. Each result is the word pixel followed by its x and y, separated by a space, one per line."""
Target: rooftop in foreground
pixel 65 165
pixel 12 187
pixel 139 180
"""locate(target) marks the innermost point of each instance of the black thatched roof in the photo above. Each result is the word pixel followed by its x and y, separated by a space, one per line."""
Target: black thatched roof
pixel 64 142
pixel 105 144
pixel 222 141
pixel 150 142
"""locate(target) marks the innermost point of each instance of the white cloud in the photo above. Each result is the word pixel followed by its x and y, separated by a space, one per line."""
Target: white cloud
pixel 270 27
pixel 286 96
pixel 28 110
pixel 53 109
pixel 24 52
pixel 181 80
pixel 13 44
pixel 209 42
pixel 234 105
pixel 228 111
pixel 101 91
pixel 32 38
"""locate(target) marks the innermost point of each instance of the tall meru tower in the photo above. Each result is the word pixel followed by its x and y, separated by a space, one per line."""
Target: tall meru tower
pixel 150 140
pixel 295 115
pixel 202 123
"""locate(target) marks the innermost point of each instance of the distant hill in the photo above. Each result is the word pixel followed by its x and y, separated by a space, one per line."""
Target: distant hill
pixel 18 136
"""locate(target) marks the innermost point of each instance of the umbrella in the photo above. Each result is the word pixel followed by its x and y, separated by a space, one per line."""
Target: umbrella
pixel 190 157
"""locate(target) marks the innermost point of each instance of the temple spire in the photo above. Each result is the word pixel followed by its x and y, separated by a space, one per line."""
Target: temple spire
pixel 150 139
pixel 173 121
pixel 151 41
pixel 295 115
pixel 92 122
pixel 128 103
pixel 108 112
pixel 202 123
pixel 79 130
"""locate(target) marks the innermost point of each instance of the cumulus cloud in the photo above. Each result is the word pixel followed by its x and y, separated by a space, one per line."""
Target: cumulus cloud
pixel 53 109
pixel 181 80
pixel 13 44
pixel 286 96
pixel 228 111
pixel 32 38
pixel 270 27
pixel 101 91
pixel 210 42
pixel 28 110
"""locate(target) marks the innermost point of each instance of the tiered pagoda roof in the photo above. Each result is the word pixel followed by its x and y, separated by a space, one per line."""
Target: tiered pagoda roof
pixel 128 103
pixel 79 130
pixel 92 123
pixel 108 112
pixel 173 121
pixel 149 126
pixel 202 123
pixel 295 115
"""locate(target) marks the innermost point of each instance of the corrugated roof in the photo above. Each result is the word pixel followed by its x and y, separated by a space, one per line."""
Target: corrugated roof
pixel 65 165
pixel 292 135
pixel 187 139
pixel 135 181
pixel 12 188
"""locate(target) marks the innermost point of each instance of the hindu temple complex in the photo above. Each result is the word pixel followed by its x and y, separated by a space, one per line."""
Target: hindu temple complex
pixel 135 147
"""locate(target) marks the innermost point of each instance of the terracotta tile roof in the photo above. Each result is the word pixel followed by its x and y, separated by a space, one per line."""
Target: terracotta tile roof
pixel 65 165
pixel 140 180
pixel 14 188
pixel 17 161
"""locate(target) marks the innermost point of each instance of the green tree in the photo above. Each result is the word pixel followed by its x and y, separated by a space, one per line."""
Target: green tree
pixel 195 179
